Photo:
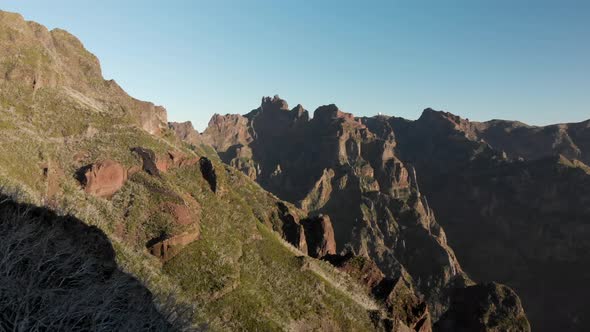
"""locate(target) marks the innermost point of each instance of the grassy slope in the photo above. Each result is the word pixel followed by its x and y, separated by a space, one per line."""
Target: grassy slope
pixel 245 277
pixel 240 274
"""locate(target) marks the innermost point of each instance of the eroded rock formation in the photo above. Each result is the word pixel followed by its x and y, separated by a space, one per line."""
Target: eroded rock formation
pixel 319 235
pixel 503 195
pixel 186 132
pixel 404 311
pixel 333 164
pixel 35 58
pixel 149 162
pixel 484 307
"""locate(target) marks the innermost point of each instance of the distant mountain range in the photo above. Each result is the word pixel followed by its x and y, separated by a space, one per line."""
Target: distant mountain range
pixel 276 220
pixel 512 198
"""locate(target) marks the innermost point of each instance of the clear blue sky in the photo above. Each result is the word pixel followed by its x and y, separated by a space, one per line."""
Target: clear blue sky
pixel 526 60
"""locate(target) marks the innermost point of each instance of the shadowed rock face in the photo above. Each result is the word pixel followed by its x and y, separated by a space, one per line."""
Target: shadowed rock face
pixel 405 311
pixel 208 172
pixel 503 195
pixel 334 164
pixel 571 140
pixel 484 307
pixel 320 236
pixel 148 158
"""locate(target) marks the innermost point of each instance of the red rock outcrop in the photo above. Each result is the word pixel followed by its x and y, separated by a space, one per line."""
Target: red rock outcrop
pixel 174 159
pixel 104 178
pixel 181 213
pixel 319 235
pixel 185 214
pixel 167 248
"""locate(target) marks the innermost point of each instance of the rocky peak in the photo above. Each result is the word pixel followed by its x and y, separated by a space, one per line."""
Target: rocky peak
pixel 274 113
pixel 335 166
pixel 328 114
pixel 445 121
pixel 225 131
pixel 274 103
pixel 185 132
pixel 300 113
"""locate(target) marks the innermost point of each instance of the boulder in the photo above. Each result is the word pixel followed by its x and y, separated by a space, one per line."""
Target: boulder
pixel 104 178
pixel 363 269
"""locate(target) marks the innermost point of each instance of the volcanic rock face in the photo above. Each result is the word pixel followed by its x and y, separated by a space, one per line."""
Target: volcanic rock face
pixel 186 132
pixel 502 199
pixel 335 165
pixel 320 236
pixel 223 131
pixel 571 140
pixel 406 312
pixel 208 172
pixel 500 305
pixel 104 178
pixel 149 160
pixel 35 58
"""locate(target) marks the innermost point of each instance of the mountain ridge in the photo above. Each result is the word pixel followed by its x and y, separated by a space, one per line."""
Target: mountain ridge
pixel 312 223
pixel 436 145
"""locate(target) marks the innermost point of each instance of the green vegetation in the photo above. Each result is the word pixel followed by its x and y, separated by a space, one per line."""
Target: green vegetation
pixel 59 116
pixel 239 274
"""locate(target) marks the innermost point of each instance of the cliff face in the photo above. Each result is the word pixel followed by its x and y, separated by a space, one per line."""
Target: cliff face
pixel 37 60
pixel 239 257
pixel 505 192
pixel 195 232
pixel 341 166
pixel 571 140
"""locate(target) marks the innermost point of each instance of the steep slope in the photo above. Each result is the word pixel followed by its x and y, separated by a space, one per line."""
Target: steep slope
pixel 531 215
pixel 60 274
pixel 336 165
pixel 185 225
pixel 529 142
